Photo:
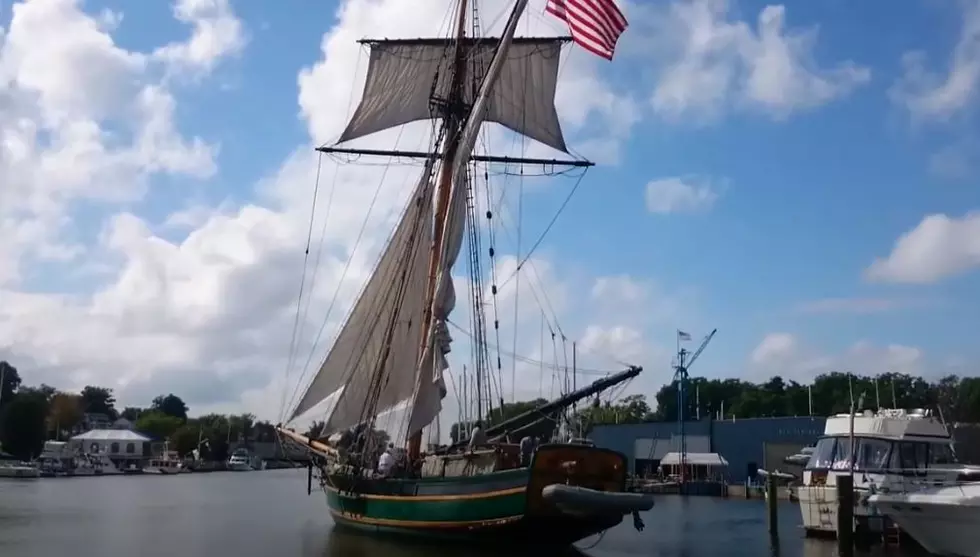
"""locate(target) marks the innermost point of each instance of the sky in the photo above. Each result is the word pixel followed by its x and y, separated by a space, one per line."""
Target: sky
pixel 800 176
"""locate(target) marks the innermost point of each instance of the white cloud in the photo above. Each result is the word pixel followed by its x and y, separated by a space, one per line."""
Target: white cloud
pixel 786 355
pixel 208 314
pixel 677 194
pixel 929 96
pixel 938 247
pixel 714 63
pixel 216 33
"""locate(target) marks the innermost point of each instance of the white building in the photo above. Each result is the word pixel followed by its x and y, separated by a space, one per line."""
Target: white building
pixel 117 444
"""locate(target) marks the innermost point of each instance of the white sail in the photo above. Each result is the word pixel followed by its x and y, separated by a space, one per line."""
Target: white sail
pixel 399 85
pixel 362 342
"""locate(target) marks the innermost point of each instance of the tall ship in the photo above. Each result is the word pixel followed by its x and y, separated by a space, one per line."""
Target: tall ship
pixel 383 377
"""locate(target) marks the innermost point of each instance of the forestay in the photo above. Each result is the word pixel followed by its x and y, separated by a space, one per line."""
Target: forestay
pixel 399 85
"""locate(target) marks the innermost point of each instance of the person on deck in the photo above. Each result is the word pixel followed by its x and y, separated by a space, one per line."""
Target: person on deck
pixel 386 461
pixel 477 437
pixel 527 449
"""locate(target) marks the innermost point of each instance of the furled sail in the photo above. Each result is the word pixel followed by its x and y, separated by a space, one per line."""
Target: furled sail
pixel 395 294
pixel 430 389
pixel 405 76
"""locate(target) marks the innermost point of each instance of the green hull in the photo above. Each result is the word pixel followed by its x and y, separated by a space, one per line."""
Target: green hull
pixel 499 507
pixel 498 496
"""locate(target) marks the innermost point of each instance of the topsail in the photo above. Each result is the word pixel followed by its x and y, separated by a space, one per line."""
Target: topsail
pixel 407 79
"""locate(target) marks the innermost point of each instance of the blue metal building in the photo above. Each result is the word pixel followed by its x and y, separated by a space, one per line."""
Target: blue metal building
pixel 744 443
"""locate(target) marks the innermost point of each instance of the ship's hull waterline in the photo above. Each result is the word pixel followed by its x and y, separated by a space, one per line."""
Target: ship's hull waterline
pixel 502 508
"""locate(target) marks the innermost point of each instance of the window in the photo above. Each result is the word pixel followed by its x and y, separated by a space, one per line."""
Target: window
pixel 130 448
pixel 872 454
pixel 114 448
pixel 913 457
pixel 941 454
pixel 842 456
pixel 823 454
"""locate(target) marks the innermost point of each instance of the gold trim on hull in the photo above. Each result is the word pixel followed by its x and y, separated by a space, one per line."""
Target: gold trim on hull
pixel 461 497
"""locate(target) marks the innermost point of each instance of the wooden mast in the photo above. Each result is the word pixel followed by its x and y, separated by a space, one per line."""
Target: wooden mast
pixel 443 188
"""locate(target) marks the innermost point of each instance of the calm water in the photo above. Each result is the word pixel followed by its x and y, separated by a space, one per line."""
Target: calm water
pixel 268 514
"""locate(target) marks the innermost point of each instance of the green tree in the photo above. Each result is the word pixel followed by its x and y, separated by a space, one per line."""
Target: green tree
pixel 23 428
pixel 9 382
pixel 64 412
pixel 184 438
pixel 99 400
pixel 171 405
pixel 131 413
pixel 542 428
pixel 156 424
pixel 630 409
pixel 316 428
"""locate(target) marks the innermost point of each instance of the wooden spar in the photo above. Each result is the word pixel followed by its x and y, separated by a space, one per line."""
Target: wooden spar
pixel 444 186
pixel 321 448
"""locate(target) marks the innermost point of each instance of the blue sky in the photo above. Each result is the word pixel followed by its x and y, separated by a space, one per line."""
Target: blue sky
pixel 815 146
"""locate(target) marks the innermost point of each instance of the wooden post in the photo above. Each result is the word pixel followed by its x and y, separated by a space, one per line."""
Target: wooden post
pixel 772 502
pixel 309 477
pixel 845 515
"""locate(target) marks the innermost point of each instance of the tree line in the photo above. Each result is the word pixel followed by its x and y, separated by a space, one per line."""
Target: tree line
pixel 957 400
pixel 29 416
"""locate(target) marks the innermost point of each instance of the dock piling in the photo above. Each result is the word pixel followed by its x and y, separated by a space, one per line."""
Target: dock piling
pixel 845 515
pixel 772 506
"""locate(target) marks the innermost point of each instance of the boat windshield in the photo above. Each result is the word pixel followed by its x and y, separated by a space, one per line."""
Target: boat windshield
pixel 872 455
pixel 823 454
pixel 879 455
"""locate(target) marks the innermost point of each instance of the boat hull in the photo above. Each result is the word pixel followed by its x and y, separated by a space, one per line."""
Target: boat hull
pixel 944 521
pixel 500 507
pixel 818 510
pixel 19 472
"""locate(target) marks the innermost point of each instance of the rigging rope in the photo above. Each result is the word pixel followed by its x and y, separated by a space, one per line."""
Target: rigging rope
pixel 302 285
pixel 547 229
pixel 343 275
pixel 552 365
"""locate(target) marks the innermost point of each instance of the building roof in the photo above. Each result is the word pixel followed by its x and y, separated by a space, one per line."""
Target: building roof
pixel 696 459
pixel 110 435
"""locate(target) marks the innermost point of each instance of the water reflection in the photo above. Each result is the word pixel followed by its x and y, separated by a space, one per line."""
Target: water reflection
pixel 344 542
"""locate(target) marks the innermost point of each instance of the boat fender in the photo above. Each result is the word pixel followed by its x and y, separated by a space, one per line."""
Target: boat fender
pixel 637 521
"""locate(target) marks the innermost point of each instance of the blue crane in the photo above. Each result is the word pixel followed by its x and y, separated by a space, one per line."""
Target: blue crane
pixel 684 361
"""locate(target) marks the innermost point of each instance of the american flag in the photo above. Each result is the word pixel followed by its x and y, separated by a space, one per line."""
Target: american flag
pixel 595 25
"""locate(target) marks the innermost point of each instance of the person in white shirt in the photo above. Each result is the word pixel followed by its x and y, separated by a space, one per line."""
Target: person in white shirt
pixel 386 460
pixel 477 437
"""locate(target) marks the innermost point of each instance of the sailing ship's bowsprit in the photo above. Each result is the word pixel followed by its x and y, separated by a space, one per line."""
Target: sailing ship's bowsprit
pixel 391 351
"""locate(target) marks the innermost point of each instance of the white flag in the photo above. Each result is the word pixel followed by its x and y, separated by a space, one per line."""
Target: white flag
pixel 681 335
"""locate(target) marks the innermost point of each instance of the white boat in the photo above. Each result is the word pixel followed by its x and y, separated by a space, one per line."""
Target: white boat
pixel 895 451
pixel 94 465
pixel 239 461
pixel 801 458
pixel 167 464
pixel 12 469
pixel 943 520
